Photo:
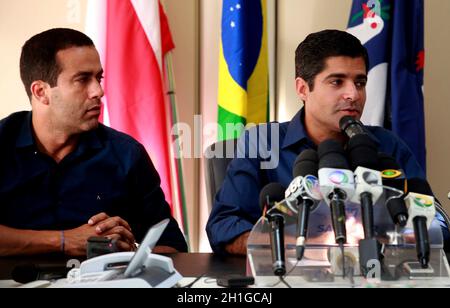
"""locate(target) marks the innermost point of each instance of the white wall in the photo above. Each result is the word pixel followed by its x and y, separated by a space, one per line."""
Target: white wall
pixel 209 54
pixel 437 96
pixel 19 20
pixel 184 23
pixel 296 19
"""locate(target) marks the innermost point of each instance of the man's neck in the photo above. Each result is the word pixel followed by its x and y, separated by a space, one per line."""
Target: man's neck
pixel 53 142
pixel 319 133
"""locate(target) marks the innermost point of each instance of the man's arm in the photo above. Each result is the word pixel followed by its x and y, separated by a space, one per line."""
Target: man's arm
pixel 72 242
pixel 15 242
pixel 236 207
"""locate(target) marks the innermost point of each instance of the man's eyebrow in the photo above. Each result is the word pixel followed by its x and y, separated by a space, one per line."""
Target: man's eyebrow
pixel 361 76
pixel 336 75
pixel 341 75
pixel 82 74
pixel 87 73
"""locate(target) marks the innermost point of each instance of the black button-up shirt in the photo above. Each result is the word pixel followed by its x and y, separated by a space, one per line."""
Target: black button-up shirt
pixel 108 172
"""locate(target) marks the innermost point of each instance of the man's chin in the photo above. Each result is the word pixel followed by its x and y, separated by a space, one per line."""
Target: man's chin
pixel 91 125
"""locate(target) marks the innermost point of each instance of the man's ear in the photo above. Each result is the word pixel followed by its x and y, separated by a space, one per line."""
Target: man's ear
pixel 39 91
pixel 302 88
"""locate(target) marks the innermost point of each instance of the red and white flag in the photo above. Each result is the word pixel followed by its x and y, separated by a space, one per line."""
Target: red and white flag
pixel 132 37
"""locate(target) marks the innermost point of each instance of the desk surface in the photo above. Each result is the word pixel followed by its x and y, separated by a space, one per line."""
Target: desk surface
pixel 187 264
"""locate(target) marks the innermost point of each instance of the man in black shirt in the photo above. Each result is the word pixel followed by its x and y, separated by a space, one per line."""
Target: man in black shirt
pixel 63 176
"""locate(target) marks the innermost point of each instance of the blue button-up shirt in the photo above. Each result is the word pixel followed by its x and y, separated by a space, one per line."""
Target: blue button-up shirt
pixel 108 172
pixel 236 207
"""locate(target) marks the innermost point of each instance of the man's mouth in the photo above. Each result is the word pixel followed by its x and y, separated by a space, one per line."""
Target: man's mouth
pixel 351 111
pixel 95 109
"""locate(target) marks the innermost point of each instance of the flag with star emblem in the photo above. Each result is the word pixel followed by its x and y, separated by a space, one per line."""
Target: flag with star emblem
pixel 243 67
pixel 393 33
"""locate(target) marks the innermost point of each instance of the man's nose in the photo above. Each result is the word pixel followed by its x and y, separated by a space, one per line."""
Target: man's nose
pixel 96 90
pixel 351 92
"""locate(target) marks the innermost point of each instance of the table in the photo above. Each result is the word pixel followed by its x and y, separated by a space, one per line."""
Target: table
pixel 187 264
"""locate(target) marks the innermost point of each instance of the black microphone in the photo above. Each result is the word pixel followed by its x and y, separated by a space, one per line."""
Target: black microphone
pixel 421 209
pixel 351 126
pixel 305 169
pixel 269 195
pixel 393 177
pixel 26 273
pixel 363 155
pixel 336 184
pixel 363 152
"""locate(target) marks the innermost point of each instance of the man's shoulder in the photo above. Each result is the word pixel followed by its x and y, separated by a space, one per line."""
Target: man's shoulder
pixel 14 118
pixel 11 124
pixel 117 138
pixel 266 131
pixel 383 134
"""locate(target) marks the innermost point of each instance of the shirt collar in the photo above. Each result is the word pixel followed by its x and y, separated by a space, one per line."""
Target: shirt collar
pixel 296 130
pixel 88 140
pixel 25 137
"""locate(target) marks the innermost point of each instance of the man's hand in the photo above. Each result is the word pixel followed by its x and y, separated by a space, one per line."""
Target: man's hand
pixel 75 240
pixel 111 227
pixel 99 225
pixel 239 245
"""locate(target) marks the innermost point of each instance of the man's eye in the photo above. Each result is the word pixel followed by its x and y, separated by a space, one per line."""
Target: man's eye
pixel 82 80
pixel 100 78
pixel 361 84
pixel 336 82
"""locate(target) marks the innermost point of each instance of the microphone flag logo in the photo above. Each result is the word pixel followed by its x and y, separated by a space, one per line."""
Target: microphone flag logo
pixel 338 178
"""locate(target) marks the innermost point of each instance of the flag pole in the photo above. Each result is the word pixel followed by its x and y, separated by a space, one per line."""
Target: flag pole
pixel 178 166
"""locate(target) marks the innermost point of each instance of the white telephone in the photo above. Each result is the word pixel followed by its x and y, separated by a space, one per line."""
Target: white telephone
pixel 127 269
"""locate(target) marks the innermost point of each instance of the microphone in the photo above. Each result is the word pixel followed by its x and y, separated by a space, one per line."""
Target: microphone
pixel 336 184
pixel 305 190
pixel 363 155
pixel 351 127
pixel 393 177
pixel 421 209
pixel 26 273
pixel 269 195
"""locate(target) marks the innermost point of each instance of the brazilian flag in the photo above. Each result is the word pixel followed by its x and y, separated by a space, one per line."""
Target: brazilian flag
pixel 243 67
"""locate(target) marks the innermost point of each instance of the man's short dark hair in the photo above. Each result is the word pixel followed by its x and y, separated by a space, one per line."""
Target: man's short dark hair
pixel 312 53
pixel 38 58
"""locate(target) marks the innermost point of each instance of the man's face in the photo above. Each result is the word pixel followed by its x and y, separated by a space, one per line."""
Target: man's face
pixel 339 90
pixel 75 101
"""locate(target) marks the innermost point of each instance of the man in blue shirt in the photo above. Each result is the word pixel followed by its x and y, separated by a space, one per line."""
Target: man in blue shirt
pixel 63 176
pixel 331 76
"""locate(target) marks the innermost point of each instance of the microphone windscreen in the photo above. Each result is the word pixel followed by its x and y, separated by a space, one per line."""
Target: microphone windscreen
pixel 350 126
pixel 386 162
pixel 363 152
pixel 419 186
pixel 25 273
pixel 272 192
pixel 307 163
pixel 332 155
pixel 345 122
